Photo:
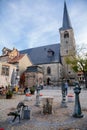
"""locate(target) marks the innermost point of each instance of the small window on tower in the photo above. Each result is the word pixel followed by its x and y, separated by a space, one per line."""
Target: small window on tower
pixel 66 34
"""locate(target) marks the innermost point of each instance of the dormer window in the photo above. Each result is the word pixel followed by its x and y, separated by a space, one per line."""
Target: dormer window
pixel 50 53
pixel 66 34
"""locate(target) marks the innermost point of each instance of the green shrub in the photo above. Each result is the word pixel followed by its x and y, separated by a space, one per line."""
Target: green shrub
pixel 32 89
pixel 9 92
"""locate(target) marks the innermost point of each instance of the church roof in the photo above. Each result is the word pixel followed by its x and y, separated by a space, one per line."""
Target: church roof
pixel 39 55
pixel 66 19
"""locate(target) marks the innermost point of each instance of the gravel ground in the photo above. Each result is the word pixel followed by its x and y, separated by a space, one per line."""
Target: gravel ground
pixel 60 119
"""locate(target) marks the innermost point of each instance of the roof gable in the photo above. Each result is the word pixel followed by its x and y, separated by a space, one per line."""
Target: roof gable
pixel 16 59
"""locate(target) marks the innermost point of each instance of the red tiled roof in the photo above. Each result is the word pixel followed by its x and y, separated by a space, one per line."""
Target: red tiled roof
pixel 80 72
pixel 16 59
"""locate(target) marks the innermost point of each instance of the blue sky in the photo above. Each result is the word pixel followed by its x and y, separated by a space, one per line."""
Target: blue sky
pixel 32 23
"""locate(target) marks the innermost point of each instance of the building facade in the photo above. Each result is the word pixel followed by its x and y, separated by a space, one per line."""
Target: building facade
pixel 33 76
pixel 12 65
pixel 6 73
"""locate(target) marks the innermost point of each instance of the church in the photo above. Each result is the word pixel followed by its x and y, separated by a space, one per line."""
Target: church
pixel 42 65
pixel 51 58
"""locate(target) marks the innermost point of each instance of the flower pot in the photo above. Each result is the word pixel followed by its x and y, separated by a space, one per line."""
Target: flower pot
pixel 32 90
pixel 70 97
pixel 8 96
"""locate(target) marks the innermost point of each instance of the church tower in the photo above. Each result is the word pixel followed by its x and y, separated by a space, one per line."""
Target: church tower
pixel 67 43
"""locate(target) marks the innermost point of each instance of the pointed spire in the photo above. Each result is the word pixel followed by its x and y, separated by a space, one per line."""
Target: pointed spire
pixel 66 20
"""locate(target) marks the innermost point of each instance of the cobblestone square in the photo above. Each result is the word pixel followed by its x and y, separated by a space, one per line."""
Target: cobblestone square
pixel 60 119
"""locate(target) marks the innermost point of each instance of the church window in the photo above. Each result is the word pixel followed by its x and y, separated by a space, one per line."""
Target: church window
pixel 48 70
pixel 66 34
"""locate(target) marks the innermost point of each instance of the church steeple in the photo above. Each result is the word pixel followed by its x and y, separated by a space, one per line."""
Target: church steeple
pixel 66 20
pixel 67 43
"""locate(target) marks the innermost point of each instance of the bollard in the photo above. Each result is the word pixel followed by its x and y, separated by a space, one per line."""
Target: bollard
pixel 63 102
pixel 37 97
pixel 77 108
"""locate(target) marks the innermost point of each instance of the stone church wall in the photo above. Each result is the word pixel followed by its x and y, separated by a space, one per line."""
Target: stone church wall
pixel 54 76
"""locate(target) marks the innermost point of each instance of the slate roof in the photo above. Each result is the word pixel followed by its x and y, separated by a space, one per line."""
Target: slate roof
pixel 66 19
pixel 39 55
pixel 34 69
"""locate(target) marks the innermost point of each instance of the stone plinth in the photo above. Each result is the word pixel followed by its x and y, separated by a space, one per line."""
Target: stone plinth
pixel 47 105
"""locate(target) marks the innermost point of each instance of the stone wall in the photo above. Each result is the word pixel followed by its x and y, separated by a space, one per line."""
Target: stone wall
pixel 54 76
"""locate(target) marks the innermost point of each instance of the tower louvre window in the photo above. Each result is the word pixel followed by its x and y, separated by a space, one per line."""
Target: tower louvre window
pixel 66 34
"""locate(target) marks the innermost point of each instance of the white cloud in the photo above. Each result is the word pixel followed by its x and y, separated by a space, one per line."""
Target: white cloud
pixel 27 23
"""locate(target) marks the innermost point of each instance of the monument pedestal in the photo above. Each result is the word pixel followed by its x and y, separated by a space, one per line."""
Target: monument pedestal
pixel 47 105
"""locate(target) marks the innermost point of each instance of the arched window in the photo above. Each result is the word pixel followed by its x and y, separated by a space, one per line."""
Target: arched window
pixel 48 70
pixel 66 34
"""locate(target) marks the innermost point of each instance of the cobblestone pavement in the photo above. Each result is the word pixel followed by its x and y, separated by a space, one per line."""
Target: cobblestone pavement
pixel 60 119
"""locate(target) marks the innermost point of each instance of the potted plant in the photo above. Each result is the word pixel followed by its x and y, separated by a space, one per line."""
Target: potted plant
pixel 32 89
pixel 9 93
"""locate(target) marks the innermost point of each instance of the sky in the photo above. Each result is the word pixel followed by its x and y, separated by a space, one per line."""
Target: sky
pixel 33 23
